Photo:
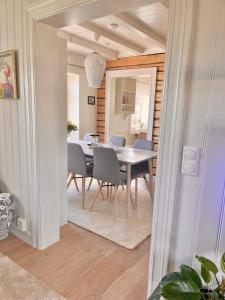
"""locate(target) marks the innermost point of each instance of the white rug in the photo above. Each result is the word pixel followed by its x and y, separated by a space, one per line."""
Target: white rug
pixel 18 284
pixel 128 233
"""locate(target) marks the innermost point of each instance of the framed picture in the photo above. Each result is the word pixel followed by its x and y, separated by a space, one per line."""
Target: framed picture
pixel 91 100
pixel 8 84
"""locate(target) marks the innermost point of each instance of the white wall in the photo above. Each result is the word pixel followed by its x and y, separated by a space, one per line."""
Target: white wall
pixel 88 113
pixel 51 105
pixel 15 126
pixel 200 221
pixel 198 225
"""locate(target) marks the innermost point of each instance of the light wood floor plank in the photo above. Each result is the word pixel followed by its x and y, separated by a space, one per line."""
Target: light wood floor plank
pixel 84 266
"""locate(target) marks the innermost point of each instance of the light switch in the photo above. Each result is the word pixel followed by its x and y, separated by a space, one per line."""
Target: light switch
pixel 191 160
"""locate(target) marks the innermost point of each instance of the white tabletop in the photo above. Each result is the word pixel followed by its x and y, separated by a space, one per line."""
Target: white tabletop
pixel 125 154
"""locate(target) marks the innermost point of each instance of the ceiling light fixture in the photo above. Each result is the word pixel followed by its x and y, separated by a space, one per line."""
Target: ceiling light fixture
pixel 113 26
pixel 95 65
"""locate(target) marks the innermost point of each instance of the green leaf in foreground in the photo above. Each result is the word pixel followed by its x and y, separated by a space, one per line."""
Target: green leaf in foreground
pixel 205 274
pixel 208 264
pixel 168 278
pixel 187 273
pixel 181 290
pixel 222 263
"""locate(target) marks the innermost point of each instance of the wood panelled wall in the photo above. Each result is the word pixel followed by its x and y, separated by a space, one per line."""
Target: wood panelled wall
pixel 143 61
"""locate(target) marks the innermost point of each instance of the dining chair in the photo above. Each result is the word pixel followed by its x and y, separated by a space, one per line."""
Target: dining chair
pixel 78 165
pixel 143 168
pixel 88 138
pixel 107 170
pixel 117 141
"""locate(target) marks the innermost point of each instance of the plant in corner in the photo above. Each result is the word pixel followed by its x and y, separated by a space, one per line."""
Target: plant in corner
pixel 71 127
pixel 189 285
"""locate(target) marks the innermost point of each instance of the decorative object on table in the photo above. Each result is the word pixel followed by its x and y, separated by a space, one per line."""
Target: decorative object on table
pixel 95 139
pixel 71 127
pixel 6 213
pixel 8 84
pixel 188 284
pixel 95 66
pixel 91 100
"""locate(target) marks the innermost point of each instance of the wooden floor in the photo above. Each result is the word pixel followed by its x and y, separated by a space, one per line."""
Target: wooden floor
pixel 85 266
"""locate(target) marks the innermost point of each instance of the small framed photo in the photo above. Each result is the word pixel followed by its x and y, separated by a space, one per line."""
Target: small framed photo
pixel 91 100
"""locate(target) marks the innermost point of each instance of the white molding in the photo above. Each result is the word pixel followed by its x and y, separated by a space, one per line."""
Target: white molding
pixel 130 73
pixel 175 96
pixel 181 16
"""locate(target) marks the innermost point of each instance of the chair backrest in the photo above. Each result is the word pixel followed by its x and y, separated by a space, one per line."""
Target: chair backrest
pixel 106 165
pixel 87 137
pixel 76 159
pixel 143 144
pixel 117 141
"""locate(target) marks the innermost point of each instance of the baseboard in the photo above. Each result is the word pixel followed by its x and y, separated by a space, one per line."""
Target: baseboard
pixel 24 236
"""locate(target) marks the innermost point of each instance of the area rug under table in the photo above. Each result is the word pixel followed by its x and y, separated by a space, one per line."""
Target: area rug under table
pixel 128 233
pixel 18 284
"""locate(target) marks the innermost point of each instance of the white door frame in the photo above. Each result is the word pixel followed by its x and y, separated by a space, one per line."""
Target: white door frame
pixel 130 73
pixel 173 112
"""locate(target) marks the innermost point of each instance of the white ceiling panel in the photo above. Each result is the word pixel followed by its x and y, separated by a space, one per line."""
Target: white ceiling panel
pixel 154 19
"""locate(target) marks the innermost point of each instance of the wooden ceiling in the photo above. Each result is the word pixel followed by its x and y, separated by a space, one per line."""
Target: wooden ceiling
pixel 138 30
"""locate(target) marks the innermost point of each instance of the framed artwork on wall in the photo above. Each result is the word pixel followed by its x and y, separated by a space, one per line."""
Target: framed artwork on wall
pixel 91 100
pixel 8 82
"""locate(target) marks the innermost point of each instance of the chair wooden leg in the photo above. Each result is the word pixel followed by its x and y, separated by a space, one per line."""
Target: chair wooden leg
pixel 107 190
pixel 110 193
pixel 147 184
pixel 70 180
pixel 99 184
pixel 115 204
pixel 75 182
pixel 83 191
pixel 136 192
pixel 132 200
pixel 90 184
pixel 96 197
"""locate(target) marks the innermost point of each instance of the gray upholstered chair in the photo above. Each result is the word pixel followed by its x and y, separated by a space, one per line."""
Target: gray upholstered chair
pixel 117 141
pixel 143 168
pixel 143 144
pixel 107 170
pixel 77 165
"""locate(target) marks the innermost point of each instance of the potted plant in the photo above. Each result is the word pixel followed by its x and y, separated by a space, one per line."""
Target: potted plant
pixel 71 127
pixel 189 285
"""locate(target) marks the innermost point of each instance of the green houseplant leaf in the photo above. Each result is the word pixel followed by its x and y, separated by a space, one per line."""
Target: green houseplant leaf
pixel 208 264
pixel 187 273
pixel 168 278
pixel 181 290
pixel 205 274
pixel 222 263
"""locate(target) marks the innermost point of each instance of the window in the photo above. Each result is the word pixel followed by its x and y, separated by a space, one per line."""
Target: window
pixel 73 98
pixel 140 119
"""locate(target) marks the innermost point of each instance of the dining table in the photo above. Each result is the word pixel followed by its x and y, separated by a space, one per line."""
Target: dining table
pixel 127 156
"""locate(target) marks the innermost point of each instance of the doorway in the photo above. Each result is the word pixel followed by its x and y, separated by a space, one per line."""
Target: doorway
pixel 169 120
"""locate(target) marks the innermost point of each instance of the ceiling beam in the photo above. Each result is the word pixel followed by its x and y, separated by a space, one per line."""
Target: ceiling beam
pixel 142 27
pixel 113 37
pixel 72 38
pixel 91 10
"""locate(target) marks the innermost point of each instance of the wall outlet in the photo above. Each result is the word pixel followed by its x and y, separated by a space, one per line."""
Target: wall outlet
pixel 21 224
